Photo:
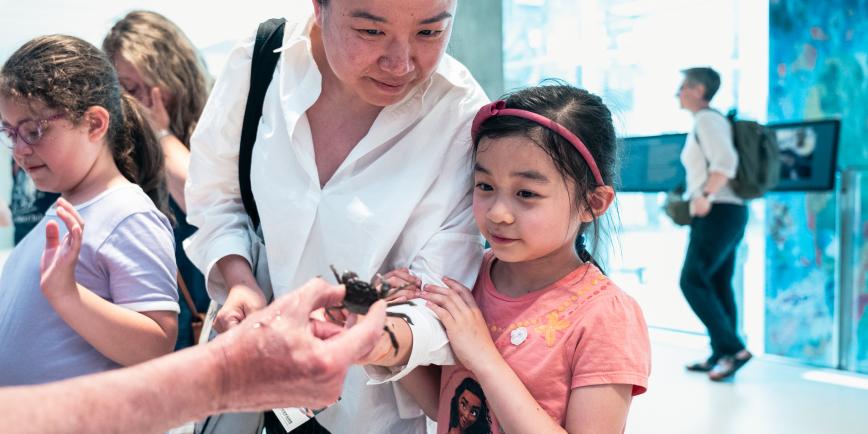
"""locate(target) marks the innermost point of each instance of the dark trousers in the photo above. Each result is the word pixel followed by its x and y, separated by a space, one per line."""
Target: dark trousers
pixel 706 278
pixel 273 426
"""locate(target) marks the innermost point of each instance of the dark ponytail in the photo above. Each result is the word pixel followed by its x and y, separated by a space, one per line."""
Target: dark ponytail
pixel 138 153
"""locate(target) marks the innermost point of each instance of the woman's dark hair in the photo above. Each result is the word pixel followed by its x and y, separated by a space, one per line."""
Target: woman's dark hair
pixel 579 111
pixel 71 75
pixel 482 425
pixel 166 58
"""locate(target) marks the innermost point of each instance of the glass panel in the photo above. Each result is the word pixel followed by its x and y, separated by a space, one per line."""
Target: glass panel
pixel 859 268
pixel 802 247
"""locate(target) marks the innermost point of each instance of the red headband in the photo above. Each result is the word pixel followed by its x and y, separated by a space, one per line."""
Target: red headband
pixel 498 108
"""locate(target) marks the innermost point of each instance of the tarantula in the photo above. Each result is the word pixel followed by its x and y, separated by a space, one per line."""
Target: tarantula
pixel 360 295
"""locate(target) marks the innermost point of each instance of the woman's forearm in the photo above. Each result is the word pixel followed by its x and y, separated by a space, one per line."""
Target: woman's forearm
pixel 423 384
pixel 177 160
pixel 385 353
pixel 122 335
pixel 715 182
pixel 236 271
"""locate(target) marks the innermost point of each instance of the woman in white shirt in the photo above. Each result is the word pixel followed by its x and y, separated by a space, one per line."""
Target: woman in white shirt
pixel 362 160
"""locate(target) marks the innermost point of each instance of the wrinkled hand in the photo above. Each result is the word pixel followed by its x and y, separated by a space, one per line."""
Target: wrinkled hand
pixel 158 116
pixel 241 302
pixel 401 277
pixel 700 206
pixel 57 266
pixel 468 333
pixel 281 357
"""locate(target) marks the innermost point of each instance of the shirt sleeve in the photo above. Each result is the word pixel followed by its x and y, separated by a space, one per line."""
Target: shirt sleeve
pixel 613 345
pixel 139 257
pixel 454 250
pixel 714 135
pixel 212 192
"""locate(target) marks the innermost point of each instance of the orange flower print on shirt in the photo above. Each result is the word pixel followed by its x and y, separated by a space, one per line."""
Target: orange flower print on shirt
pixel 555 324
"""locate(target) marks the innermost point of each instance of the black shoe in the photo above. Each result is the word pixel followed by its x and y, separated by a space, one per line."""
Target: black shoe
pixel 728 365
pixel 705 365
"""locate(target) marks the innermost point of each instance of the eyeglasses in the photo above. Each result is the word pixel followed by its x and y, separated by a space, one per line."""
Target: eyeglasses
pixel 29 131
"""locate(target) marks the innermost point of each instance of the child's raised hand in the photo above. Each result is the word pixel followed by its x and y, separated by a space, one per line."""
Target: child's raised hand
pixel 57 267
pixel 468 333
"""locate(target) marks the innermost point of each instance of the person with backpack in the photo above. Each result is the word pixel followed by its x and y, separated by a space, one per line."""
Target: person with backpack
pixel 719 218
pixel 361 160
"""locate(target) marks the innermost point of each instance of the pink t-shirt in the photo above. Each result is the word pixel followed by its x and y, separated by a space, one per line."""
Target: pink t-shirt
pixel 580 331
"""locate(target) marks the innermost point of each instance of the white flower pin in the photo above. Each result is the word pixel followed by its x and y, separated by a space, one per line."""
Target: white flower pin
pixel 517 336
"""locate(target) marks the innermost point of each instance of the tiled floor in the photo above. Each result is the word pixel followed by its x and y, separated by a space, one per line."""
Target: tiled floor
pixel 767 396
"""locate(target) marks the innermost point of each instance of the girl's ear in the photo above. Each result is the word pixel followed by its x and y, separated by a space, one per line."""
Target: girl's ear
pixel 598 202
pixel 96 119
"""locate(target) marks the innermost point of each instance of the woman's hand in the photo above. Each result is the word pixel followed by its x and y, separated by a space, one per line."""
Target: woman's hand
pixel 241 302
pixel 700 206
pixel 57 266
pixel 468 333
pixel 156 113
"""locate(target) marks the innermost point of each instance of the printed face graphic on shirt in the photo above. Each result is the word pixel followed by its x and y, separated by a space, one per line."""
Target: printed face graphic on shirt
pixel 469 406
pixel 468 411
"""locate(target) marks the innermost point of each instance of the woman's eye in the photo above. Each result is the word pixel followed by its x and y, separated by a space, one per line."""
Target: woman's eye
pixel 483 186
pixel 430 33
pixel 524 194
pixel 369 32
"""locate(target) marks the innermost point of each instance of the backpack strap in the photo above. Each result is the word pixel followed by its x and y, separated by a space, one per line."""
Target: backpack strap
pixel 269 37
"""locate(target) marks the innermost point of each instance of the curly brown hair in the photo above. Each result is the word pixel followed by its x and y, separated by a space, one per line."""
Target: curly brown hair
pixel 166 58
pixel 68 74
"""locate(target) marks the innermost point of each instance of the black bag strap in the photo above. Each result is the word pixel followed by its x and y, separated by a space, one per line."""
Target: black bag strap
pixel 269 37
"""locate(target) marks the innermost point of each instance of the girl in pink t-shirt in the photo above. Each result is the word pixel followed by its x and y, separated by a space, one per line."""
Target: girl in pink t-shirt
pixel 545 342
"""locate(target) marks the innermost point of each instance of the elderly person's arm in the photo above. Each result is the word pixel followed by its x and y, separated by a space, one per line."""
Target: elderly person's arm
pixel 280 357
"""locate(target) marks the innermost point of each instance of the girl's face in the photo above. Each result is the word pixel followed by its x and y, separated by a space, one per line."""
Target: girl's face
pixel 62 157
pixel 380 50
pixel 522 204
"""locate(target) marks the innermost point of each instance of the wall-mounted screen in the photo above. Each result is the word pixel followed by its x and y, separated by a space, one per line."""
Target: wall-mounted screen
pixel 652 163
pixel 809 152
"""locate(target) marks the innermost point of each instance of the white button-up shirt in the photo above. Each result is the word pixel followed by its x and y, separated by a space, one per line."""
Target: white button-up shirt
pixel 709 148
pixel 400 199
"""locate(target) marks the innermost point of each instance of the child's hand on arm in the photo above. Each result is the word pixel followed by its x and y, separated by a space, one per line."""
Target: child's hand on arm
pixel 466 327
pixel 57 266
pixel 517 410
